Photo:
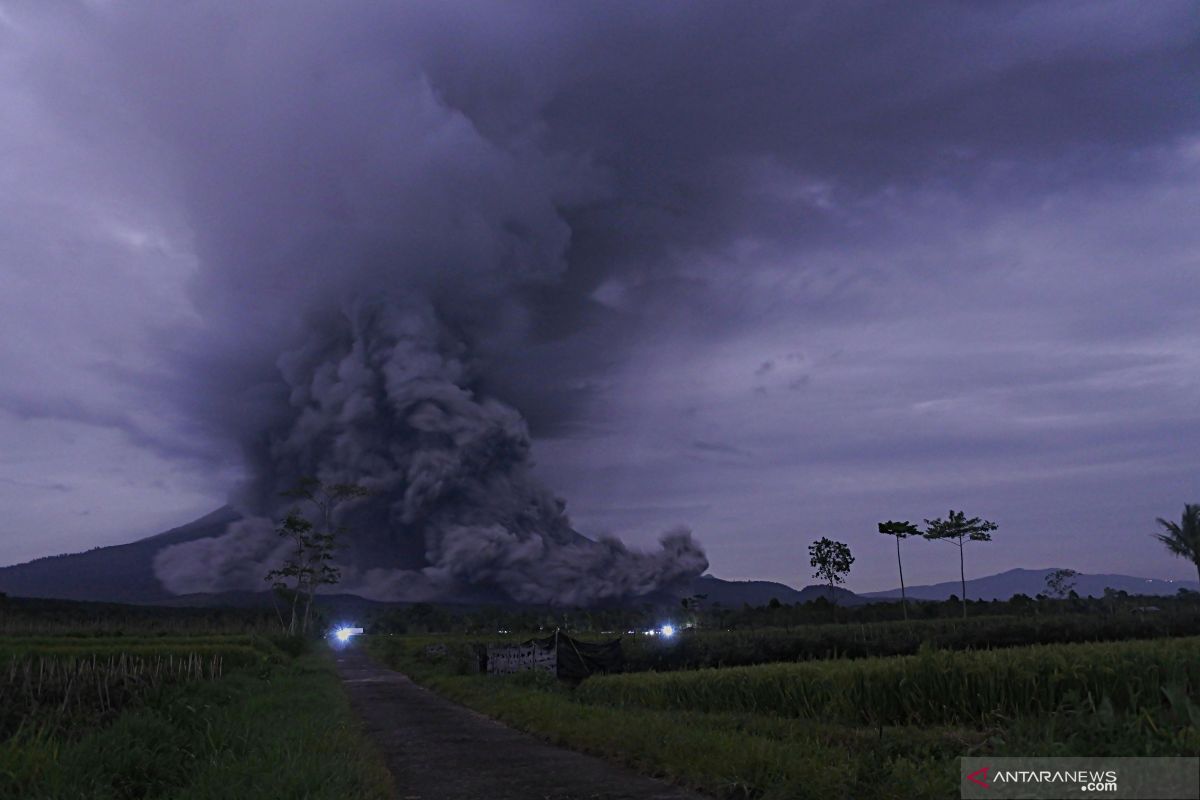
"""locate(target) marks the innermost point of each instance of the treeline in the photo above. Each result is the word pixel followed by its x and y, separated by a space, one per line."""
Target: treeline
pixel 783 615
pixel 425 618
pixel 696 648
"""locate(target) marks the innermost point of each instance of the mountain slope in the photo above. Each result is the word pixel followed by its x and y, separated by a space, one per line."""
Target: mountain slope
pixel 1032 582
pixel 125 574
pixel 733 594
pixel 121 573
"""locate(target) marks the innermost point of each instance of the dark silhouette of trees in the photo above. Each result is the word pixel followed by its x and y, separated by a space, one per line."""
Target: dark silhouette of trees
pixel 900 530
pixel 1060 582
pixel 1183 538
pixel 832 562
pixel 958 529
pixel 309 565
pixel 691 607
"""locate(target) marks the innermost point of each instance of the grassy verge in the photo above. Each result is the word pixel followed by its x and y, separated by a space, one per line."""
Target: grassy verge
pixel 755 752
pixel 725 755
pixel 286 732
pixel 934 687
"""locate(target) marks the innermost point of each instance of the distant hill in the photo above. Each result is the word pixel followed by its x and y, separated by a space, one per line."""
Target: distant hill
pixel 735 594
pixel 125 574
pixel 1032 582
pixel 122 573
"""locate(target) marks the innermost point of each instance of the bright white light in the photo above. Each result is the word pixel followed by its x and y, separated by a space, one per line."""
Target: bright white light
pixel 343 634
pixel 668 630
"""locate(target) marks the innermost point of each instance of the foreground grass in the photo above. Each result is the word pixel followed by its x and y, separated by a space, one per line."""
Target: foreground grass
pixel 725 755
pixel 935 687
pixel 286 732
pixel 756 750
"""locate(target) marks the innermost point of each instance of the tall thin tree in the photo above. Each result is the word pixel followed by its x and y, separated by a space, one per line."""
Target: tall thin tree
pixel 958 529
pixel 1183 538
pixel 309 566
pixel 900 530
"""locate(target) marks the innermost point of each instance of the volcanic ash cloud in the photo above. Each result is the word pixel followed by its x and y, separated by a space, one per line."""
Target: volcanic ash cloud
pixel 383 397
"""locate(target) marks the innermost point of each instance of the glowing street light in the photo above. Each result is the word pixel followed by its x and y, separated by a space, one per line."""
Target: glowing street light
pixel 344 634
pixel 668 630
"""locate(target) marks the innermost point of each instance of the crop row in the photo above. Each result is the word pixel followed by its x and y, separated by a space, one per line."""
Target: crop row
pixel 239 650
pixel 46 689
pixel 32 616
pixel 929 688
pixel 695 649
pixel 88 644
pixel 59 682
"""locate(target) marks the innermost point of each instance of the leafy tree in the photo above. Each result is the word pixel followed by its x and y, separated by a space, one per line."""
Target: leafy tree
pixel 900 530
pixel 289 580
pixel 958 529
pixel 1022 603
pixel 1060 582
pixel 691 607
pixel 832 562
pixel 1183 538
pixel 309 565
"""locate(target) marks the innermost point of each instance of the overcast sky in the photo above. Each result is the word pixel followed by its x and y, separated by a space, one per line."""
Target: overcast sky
pixel 773 271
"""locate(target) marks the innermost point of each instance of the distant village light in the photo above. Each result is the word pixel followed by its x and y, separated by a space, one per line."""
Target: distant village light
pixel 344 634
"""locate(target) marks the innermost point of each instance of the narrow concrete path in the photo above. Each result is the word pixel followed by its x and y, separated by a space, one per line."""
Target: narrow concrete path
pixel 439 750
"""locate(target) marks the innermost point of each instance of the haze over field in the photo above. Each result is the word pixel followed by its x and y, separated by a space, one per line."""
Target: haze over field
pixel 770 273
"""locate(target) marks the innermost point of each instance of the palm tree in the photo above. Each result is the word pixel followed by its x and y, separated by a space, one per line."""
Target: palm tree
pixel 900 530
pixel 1183 538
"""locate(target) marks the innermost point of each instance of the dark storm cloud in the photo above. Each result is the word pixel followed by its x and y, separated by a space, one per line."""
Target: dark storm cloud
pixel 577 203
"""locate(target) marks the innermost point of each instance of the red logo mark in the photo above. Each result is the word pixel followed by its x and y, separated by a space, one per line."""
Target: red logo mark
pixel 977 781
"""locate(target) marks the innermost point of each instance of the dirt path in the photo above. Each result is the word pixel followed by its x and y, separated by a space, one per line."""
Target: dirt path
pixel 438 750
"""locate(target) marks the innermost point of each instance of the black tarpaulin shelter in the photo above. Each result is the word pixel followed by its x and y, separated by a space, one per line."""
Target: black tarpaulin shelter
pixel 577 660
pixel 567 657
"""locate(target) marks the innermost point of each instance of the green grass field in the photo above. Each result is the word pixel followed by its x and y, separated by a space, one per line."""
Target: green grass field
pixel 163 709
pixel 209 716
pixel 934 687
pixel 889 727
pixel 719 648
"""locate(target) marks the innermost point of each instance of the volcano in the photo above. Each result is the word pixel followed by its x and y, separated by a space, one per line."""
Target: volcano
pixel 122 573
pixel 125 573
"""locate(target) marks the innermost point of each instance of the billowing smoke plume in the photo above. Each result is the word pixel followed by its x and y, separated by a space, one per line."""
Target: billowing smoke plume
pixel 375 262
pixel 411 225
pixel 410 231
pixel 381 397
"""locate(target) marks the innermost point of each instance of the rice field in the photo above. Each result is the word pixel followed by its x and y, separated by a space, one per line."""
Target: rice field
pixel 36 617
pixel 934 687
pixel 693 649
pixel 137 715
pixel 866 727
pixel 53 685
